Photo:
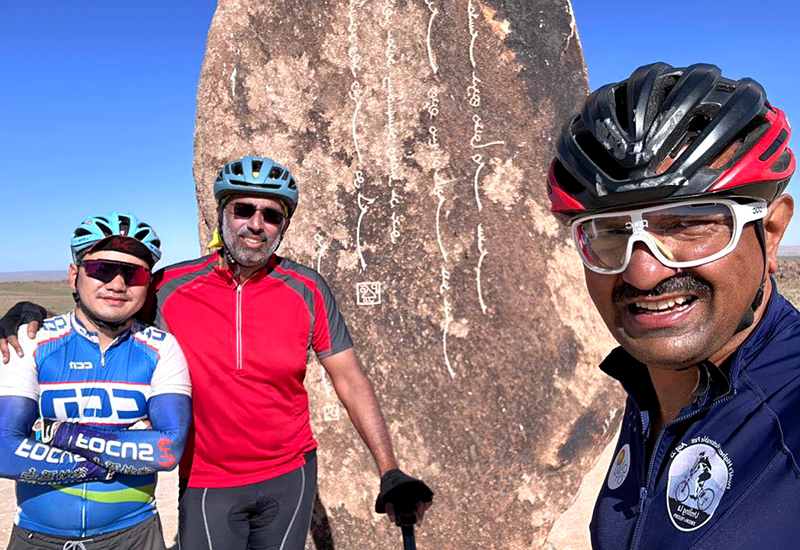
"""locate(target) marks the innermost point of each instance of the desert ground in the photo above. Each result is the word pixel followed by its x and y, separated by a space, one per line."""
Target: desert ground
pixel 569 533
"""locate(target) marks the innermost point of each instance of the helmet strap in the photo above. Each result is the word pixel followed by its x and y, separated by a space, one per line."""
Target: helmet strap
pixel 750 315
pixel 97 321
pixel 232 263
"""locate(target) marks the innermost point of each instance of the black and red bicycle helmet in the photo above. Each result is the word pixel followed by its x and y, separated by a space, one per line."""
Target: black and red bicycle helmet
pixel 670 134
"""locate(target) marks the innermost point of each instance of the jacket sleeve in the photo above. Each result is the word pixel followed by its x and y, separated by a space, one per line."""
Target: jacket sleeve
pixel 26 460
pixel 134 452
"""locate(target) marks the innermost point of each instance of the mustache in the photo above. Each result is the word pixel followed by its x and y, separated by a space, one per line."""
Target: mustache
pixel 246 232
pixel 679 283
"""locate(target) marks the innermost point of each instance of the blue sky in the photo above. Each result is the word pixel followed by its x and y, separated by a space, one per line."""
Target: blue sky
pixel 98 101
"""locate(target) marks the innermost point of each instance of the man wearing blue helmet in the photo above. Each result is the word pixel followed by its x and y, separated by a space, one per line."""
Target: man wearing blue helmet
pixel 84 479
pixel 246 318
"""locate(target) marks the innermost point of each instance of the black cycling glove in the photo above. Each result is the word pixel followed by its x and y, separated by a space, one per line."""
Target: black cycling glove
pixel 21 313
pixel 403 492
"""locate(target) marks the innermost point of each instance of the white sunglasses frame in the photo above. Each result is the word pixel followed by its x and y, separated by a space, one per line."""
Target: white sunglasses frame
pixel 743 214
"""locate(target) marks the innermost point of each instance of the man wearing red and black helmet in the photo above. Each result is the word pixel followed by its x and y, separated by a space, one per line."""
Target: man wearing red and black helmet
pixel 671 182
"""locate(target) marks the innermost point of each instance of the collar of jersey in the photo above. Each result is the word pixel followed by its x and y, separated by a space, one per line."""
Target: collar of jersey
pixel 228 274
pixel 92 336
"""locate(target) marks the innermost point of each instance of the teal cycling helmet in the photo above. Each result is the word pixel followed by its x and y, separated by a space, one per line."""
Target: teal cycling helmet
pixel 122 232
pixel 257 176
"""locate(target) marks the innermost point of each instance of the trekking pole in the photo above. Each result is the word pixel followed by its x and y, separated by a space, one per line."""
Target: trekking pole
pixel 409 541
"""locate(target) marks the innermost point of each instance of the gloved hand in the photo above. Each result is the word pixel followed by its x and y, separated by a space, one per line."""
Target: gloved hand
pixel 18 315
pixel 403 498
pixel 44 429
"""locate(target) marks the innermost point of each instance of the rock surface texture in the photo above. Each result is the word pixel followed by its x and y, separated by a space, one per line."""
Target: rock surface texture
pixel 420 133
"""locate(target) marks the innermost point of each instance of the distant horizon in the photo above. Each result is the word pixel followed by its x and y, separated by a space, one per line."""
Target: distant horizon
pixel 52 275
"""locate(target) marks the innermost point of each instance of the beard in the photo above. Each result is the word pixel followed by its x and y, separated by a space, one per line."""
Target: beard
pixel 245 255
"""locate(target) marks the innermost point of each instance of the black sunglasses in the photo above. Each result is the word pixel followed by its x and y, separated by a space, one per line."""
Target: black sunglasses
pixel 245 210
pixel 107 270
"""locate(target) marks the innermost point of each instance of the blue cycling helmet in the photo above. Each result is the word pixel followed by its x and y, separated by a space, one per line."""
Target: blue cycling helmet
pixel 122 232
pixel 257 176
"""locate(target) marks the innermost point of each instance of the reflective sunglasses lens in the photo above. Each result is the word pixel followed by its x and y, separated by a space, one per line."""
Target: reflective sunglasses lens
pixel 245 211
pixel 272 216
pixel 106 271
pixel 688 233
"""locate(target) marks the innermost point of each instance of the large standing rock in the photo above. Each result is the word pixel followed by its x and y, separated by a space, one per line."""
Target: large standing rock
pixel 420 133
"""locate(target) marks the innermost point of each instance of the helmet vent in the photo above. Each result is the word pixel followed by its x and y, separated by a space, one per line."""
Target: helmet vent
pixel 275 173
pixel 565 179
pixel 600 156
pixel 292 184
pixel 696 125
pixel 744 141
pixel 775 145
pixel 722 87
pixel 237 169
pixel 782 163
pixel 104 226
pixel 257 167
pixel 124 225
pixel 621 107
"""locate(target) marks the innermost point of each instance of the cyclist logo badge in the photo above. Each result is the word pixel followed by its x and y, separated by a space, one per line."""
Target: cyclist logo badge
pixel 620 468
pixel 699 475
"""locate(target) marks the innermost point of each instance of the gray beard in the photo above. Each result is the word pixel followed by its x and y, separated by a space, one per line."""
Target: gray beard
pixel 244 255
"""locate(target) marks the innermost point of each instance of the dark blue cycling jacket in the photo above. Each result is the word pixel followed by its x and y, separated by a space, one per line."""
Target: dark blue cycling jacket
pixel 724 473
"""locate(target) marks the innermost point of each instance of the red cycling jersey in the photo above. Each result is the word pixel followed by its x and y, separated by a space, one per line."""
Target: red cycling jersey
pixel 247 346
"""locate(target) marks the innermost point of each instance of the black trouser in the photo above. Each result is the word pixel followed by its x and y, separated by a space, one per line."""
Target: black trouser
pixel 270 515
pixel 146 535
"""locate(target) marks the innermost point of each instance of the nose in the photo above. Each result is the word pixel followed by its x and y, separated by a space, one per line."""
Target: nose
pixel 256 223
pixel 117 284
pixel 644 270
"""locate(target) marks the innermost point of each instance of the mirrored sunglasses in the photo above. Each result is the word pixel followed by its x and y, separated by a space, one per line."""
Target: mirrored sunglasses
pixel 107 270
pixel 245 211
pixel 682 234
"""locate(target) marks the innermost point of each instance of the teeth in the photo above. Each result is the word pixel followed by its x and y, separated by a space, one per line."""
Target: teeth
pixel 663 305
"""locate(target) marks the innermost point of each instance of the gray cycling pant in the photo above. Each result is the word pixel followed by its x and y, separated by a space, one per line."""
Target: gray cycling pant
pixel 270 515
pixel 146 535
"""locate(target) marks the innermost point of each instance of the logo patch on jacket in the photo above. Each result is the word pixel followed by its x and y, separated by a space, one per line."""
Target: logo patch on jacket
pixel 620 468
pixel 699 474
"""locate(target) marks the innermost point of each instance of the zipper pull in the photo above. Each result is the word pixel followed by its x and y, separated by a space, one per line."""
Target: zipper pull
pixel 642 497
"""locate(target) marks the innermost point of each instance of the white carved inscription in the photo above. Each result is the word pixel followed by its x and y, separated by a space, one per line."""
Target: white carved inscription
pixel 368 293
pixel 473 96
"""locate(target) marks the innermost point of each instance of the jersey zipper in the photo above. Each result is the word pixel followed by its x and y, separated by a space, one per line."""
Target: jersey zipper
pixel 239 345
pixel 651 463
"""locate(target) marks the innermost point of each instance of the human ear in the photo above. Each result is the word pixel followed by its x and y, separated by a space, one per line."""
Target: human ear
pixel 775 224
pixel 73 276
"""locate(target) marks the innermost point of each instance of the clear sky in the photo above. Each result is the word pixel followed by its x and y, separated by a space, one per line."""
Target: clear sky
pixel 98 99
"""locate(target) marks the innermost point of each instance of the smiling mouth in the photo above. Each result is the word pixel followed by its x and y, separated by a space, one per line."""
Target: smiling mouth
pixel 662 307
pixel 114 300
pixel 253 241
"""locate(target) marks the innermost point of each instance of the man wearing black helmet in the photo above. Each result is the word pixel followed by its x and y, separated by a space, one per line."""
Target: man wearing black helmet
pixel 246 319
pixel 671 183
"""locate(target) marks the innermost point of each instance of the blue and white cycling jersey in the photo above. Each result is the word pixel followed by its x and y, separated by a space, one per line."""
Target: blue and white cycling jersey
pixel 98 394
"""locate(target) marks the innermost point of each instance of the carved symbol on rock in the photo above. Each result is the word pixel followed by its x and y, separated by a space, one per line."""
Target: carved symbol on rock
pixel 331 412
pixel 368 293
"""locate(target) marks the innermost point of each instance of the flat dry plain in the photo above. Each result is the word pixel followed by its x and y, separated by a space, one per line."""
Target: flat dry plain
pixel 569 533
